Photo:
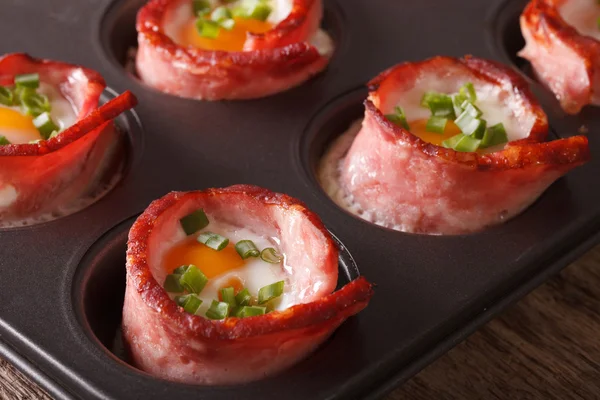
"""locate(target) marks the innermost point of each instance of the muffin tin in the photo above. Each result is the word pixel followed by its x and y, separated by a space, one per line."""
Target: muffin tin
pixel 62 282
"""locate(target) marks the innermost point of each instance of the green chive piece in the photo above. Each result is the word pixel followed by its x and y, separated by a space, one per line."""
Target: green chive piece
pixel 440 104
pixel 436 124
pixel 218 310
pixel 190 303
pixel 243 297
pixel 213 240
pixel 398 118
pixel 180 270
pixel 193 280
pixel 470 125
pixel 494 135
pixel 458 100
pixel 451 142
pixel 32 102
pixel 201 7
pixel 228 296
pixel 258 10
pixel 207 28
pixel 246 248
pixel 54 134
pixel 471 108
pixel 271 256
pixel 468 91
pixel 251 311
pixel 193 222
pixel 31 81
pixel 221 14
pixel 45 125
pixel 4 141
pixel 6 96
pixel 270 292
pixel 172 284
pixel 228 24
pixel 467 144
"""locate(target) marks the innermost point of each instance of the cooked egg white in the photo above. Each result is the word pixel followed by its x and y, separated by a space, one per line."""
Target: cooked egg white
pixel 226 268
pixel 19 128
pixel 582 15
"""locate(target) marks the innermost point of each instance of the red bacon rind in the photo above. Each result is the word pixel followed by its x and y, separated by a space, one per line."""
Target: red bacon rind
pixel 419 187
pixel 170 343
pixel 52 173
pixel 273 62
pixel 566 61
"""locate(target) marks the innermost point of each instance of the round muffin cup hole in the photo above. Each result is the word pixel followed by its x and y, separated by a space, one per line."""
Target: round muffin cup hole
pixel 99 287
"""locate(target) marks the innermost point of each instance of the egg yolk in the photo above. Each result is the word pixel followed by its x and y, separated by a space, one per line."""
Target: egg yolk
pixel 211 262
pixel 418 128
pixel 16 127
pixel 232 40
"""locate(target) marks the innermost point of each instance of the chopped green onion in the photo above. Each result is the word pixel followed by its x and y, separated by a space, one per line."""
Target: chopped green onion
pixel 468 91
pixel 190 303
pixel 471 108
pixel 32 102
pixel 228 24
pixel 467 144
pixel 451 142
pixel 45 125
pixel 218 310
pixel 246 248
pixel 494 135
pixel 258 10
pixel 470 125
pixel 172 284
pixel 243 297
pixel 193 222
pixel 270 292
pixel 54 134
pixel 228 296
pixel 4 141
pixel 271 255
pixel 180 270
pixel 207 28
pixel 457 101
pixel 398 118
pixel 6 96
pixel 213 240
pixel 221 14
pixel 193 280
pixel 436 124
pixel 251 311
pixel 201 7
pixel 440 104
pixel 31 81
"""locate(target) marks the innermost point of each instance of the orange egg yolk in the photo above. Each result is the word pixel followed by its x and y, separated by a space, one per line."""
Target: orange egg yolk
pixel 16 127
pixel 211 262
pixel 232 40
pixel 418 128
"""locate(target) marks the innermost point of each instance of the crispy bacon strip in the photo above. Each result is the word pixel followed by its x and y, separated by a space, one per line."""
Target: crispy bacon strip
pixel 272 62
pixel 37 178
pixel 564 60
pixel 415 186
pixel 167 342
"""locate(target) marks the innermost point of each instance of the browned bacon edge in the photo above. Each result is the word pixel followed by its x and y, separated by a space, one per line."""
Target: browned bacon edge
pixel 333 308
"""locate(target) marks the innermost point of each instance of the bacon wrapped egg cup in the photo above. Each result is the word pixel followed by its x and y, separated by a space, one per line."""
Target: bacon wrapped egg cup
pixel 447 146
pixel 231 285
pixel 562 44
pixel 243 49
pixel 54 140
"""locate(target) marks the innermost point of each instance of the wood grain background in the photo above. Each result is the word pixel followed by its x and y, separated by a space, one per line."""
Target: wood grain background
pixel 545 347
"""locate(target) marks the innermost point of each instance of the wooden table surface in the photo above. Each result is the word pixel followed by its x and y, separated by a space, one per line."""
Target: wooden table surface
pixel 545 347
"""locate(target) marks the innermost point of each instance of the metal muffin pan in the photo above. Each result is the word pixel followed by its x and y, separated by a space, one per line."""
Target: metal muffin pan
pixel 62 282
